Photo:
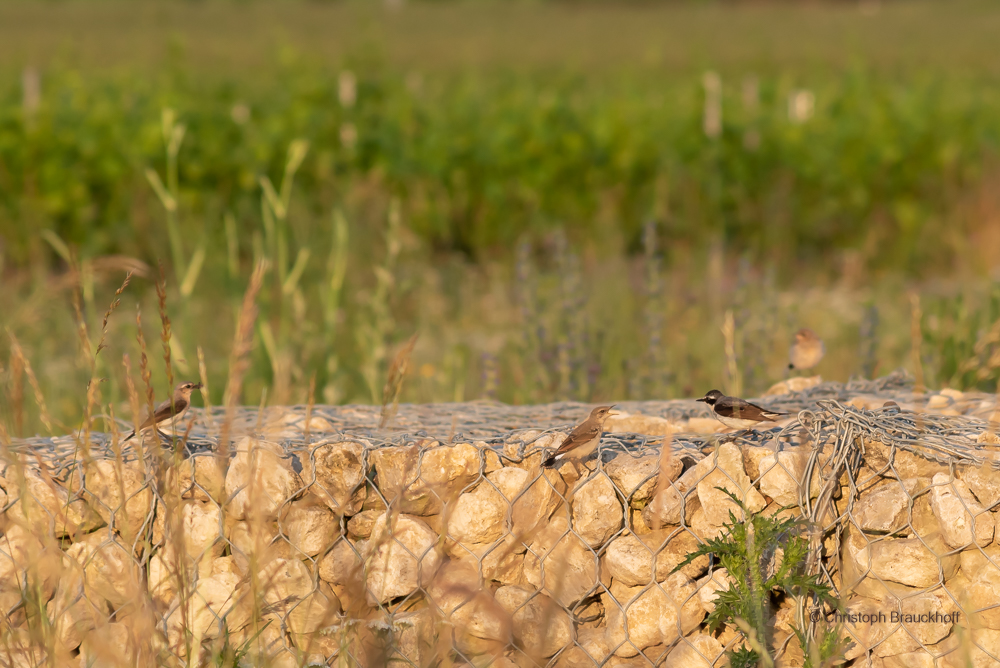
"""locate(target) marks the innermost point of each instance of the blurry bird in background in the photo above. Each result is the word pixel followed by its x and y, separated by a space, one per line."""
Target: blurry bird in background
pixel 807 350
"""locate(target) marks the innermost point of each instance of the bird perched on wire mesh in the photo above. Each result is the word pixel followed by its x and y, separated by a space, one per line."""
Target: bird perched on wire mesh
pixel 738 413
pixel 168 413
pixel 584 439
pixel 806 351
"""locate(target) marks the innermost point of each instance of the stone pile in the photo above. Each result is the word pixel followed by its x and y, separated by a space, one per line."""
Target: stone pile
pixel 342 553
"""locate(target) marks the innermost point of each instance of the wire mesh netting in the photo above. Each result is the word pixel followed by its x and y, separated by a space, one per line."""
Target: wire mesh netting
pixel 308 536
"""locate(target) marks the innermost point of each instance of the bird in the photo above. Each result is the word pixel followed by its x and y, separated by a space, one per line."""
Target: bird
pixel 738 413
pixel 169 412
pixel 807 350
pixel 583 440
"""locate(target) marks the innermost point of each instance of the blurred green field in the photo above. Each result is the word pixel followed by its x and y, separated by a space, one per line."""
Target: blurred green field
pixel 543 193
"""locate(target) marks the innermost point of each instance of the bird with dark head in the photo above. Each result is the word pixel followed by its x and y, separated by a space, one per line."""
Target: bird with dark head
pixel 584 439
pixel 737 413
pixel 170 411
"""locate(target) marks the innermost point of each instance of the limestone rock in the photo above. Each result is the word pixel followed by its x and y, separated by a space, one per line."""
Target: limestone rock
pixel 709 587
pixel 478 516
pixel 633 616
pixel 419 481
pixel 963 520
pixel 782 475
pixel 912 630
pixel 984 483
pixel 260 479
pixel 339 475
pixel 109 645
pixel 120 494
pixel 591 649
pixel 724 468
pixel 977 562
pixel 796 384
pixel 637 423
pixel 697 651
pixel 907 561
pixel 257 541
pixel 597 512
pixel 403 557
pixel 702 425
pixel 540 498
pixel 342 564
pixel 884 508
pixel 630 558
pixel 41 501
pixel 982 594
pixel 108 568
pixel 540 626
pixel 899 464
pixel 480 624
pixel 673 502
pixel 682 610
pixel 200 616
pixel 561 564
pixel 74 615
pixel 201 478
pixel 981 652
pixel 637 477
pixel 310 528
pixel 360 526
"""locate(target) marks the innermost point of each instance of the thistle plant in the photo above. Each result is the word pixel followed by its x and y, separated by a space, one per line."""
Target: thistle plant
pixel 765 556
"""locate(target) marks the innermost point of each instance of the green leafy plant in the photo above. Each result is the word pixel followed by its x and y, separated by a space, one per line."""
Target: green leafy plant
pixel 765 556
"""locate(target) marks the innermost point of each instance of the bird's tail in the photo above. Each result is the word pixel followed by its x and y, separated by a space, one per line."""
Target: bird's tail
pixel 129 436
pixel 549 463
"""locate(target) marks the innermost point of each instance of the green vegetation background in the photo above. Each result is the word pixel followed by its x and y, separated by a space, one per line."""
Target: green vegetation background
pixel 530 188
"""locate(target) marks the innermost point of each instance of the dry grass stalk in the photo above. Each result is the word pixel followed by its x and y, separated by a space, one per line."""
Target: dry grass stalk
pixel 394 382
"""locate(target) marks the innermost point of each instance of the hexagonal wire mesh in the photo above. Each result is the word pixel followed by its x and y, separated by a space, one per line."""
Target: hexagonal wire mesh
pixel 320 540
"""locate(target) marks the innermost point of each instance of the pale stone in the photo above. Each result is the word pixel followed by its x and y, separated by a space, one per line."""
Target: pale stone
pixel 702 425
pixel 200 477
pixel 256 541
pixel 260 479
pixel 630 558
pixel 517 448
pixel 590 650
pixel 637 423
pixel 403 557
pixel 310 528
pixel 317 609
pixel 901 464
pixel 884 508
pixel 42 502
pixel 510 481
pixel 984 482
pixel 709 587
pixel 73 615
pixel 782 475
pixel 566 565
pixel 478 516
pixel 339 472
pixel 978 561
pixel 908 561
pixel 702 528
pixel 963 520
pixel 638 477
pixel 632 617
pixel 360 526
pixel 419 481
pixel 981 650
pixel 919 659
pixel 597 512
pixel 342 565
pixel 979 597
pixel 108 568
pixel 540 498
pixel 540 626
pixel 198 618
pixel 724 469
pixel 796 384
pixel 697 651
pixel 916 627
pixel 111 644
pixel 120 494
pixel 682 610
pixel 479 623
pixel 675 502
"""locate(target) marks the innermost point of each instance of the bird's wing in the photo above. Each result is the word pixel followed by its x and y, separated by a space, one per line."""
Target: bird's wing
pixel 583 433
pixel 743 410
pixel 164 412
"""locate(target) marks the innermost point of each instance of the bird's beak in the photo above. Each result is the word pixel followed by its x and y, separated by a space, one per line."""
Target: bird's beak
pixel 702 399
pixel 615 411
pixel 198 386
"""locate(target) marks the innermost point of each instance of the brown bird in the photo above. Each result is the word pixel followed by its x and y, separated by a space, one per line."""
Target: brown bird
pixel 171 411
pixel 807 350
pixel 738 413
pixel 584 439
